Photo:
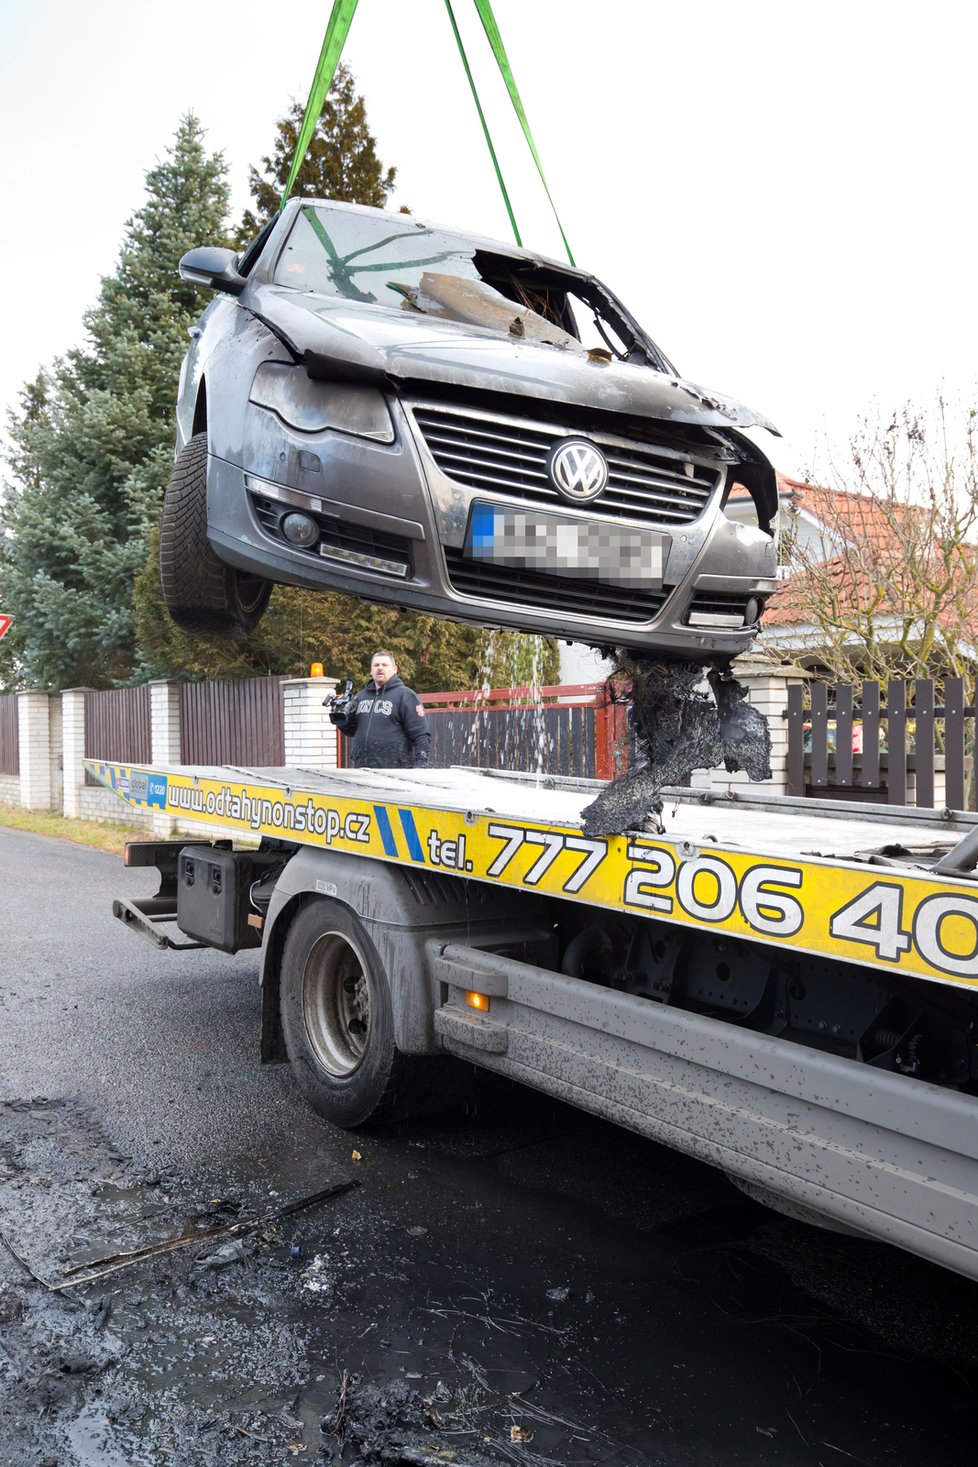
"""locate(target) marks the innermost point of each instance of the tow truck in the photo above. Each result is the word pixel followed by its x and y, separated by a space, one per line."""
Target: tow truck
pixel 777 987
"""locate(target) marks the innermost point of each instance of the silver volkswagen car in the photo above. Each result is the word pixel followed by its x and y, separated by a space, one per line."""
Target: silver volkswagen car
pixel 414 416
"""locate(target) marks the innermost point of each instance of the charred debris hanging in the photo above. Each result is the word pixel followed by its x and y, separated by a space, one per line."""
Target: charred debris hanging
pixel 683 717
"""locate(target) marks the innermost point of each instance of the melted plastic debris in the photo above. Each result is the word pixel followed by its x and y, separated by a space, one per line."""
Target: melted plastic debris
pixel 235 1251
pixel 396 1424
pixel 316 1278
pixel 677 727
pixel 477 303
pixel 744 733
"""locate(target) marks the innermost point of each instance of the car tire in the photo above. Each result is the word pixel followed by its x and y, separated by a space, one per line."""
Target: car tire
pixel 202 594
pixel 338 1024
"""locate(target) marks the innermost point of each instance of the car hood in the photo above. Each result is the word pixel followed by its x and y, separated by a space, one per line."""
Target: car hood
pixel 340 337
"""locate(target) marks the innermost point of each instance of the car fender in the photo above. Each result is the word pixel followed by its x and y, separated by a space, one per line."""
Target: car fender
pixel 222 362
pixel 204 334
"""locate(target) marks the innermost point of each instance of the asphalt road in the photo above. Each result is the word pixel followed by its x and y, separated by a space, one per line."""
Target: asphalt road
pixel 510 1282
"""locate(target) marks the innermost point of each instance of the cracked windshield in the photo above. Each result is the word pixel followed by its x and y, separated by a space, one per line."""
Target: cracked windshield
pixel 436 273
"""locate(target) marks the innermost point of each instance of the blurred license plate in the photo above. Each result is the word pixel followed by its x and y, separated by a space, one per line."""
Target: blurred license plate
pixel 598 550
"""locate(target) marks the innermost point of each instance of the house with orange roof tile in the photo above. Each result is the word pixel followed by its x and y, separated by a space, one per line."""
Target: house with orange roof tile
pixel 868 580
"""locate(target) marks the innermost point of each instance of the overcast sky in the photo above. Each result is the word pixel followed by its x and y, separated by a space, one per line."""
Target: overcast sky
pixel 783 194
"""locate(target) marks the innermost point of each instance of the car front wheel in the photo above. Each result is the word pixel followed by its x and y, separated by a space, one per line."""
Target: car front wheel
pixel 201 593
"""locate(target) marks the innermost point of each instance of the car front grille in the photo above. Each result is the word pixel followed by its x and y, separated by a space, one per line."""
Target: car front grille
pixel 566 595
pixel 647 484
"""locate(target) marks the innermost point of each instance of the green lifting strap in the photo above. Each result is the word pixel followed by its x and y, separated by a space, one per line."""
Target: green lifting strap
pixel 337 31
pixel 499 51
pixel 340 20
pixel 482 119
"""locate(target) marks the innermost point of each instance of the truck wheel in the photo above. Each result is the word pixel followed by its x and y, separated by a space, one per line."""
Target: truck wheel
pixel 202 594
pixel 338 1022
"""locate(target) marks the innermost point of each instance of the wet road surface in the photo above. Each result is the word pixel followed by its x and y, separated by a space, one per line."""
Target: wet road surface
pixel 511 1282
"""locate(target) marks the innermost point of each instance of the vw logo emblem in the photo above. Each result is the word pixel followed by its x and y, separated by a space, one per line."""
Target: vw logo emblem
pixel 578 469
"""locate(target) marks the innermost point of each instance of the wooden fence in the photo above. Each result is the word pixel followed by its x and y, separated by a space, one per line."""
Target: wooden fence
pixel 118 726
pixel 239 722
pixel 9 735
pixel 569 729
pixel 865 748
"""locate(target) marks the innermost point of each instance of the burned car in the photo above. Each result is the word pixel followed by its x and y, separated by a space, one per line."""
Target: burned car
pixel 413 416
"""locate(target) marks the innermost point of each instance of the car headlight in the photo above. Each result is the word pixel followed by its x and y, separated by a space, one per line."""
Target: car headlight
pixel 310 406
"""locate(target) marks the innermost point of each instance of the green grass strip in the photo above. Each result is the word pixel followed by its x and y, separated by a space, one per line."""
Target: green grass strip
pixel 101 836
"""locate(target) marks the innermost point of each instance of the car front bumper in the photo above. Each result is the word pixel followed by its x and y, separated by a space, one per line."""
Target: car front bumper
pixel 395 527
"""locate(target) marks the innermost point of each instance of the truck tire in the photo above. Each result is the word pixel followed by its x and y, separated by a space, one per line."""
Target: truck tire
pixel 338 1023
pixel 201 593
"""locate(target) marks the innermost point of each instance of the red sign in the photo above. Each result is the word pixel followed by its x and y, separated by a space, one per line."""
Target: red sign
pixel 5 621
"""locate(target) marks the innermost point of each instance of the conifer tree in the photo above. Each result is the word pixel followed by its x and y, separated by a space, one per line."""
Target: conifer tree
pixel 26 429
pixel 341 161
pixel 93 441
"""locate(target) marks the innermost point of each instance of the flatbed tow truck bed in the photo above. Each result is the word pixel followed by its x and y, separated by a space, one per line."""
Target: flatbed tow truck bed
pixel 785 989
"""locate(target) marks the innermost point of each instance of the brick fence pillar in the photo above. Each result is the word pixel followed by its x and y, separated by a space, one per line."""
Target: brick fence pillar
pixel 767 690
pixel 165 721
pixel 34 734
pixel 73 750
pixel 57 754
pixel 310 738
pixel 164 701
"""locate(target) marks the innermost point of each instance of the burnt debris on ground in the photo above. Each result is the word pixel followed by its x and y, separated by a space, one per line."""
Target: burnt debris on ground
pixel 475 1302
pixel 682 717
pixel 230 1330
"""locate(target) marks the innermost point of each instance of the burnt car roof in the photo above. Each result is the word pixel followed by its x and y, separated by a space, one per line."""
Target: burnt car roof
pixel 341 335
pixel 481 242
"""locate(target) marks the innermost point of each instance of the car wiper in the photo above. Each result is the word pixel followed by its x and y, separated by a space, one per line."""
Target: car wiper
pixel 599 327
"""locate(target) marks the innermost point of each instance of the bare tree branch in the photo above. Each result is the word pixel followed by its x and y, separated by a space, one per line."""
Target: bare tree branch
pixel 884 565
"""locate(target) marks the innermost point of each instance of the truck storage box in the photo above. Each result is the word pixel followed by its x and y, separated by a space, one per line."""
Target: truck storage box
pixel 212 897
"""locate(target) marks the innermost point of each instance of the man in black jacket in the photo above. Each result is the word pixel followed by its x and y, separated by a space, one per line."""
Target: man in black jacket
pixel 386 721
